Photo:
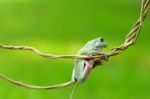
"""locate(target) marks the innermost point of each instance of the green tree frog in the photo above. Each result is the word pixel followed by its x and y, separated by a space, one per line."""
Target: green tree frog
pixel 83 67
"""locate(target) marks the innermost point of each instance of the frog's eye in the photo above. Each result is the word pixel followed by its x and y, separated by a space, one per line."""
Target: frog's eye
pixel 101 40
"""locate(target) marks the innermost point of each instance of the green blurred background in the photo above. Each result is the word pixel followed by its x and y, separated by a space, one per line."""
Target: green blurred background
pixel 63 27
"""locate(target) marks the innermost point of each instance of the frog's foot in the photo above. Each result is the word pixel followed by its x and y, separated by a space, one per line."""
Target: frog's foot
pixel 106 55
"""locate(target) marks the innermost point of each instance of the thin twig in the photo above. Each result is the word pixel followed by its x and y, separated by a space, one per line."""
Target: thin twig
pixel 49 56
pixel 36 87
pixel 130 39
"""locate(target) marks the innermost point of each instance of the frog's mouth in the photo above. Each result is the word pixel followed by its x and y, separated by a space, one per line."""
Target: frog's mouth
pixel 103 45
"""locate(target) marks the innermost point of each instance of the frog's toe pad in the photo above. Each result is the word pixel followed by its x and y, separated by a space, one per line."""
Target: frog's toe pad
pixel 106 56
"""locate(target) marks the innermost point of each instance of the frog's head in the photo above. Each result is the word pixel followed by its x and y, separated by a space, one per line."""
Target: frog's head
pixel 100 43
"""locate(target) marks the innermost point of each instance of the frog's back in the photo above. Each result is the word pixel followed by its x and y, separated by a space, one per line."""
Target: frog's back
pixel 86 47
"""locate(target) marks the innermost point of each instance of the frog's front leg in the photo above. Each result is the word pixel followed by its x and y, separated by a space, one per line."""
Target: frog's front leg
pixel 105 54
